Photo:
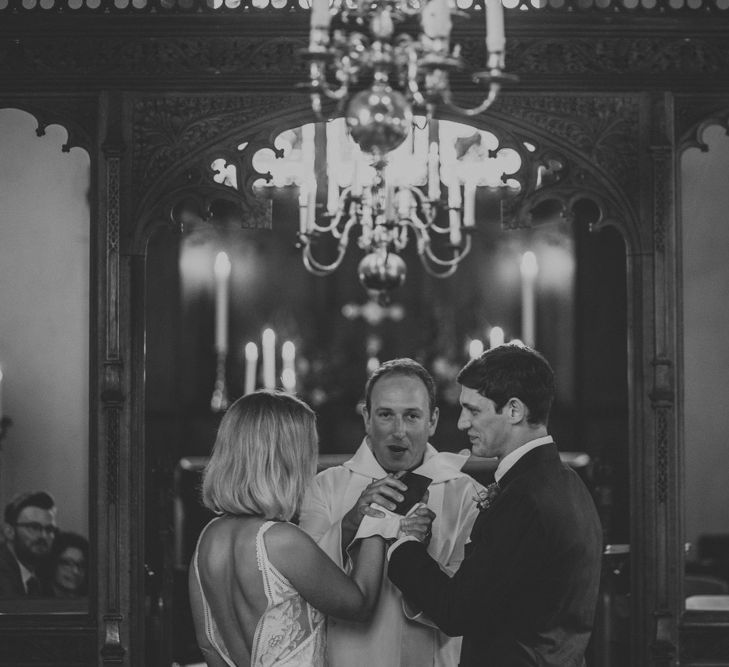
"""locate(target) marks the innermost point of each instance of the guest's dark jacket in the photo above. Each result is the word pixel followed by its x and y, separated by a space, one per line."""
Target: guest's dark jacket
pixel 526 592
pixel 11 583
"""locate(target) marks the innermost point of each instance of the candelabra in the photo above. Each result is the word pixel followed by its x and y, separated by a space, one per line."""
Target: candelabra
pixel 418 66
pixel 406 75
pixel 386 215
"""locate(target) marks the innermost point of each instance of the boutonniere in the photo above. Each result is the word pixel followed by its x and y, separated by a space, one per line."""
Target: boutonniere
pixel 485 498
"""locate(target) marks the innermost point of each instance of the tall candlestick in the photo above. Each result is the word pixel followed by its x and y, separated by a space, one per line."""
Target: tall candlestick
pixel 496 337
pixel 288 366
pixel 251 367
pixel 268 343
pixel 495 39
pixel 529 270
pixel 222 276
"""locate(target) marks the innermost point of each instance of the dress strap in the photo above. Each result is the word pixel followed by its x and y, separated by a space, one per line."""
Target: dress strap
pixel 210 626
pixel 264 564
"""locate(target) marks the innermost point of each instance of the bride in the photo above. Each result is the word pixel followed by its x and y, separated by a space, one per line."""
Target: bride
pixel 259 586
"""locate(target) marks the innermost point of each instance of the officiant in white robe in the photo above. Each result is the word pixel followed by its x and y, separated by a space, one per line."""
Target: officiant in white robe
pixel 396 635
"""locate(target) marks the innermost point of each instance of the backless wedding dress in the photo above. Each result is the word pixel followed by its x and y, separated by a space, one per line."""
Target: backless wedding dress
pixel 290 633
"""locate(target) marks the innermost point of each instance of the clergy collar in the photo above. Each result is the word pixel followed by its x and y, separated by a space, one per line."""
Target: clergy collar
pixel 512 457
pixel 439 466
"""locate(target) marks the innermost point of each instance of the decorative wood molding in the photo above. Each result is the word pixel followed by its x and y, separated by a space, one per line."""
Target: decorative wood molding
pixel 112 652
pixel 77 115
pixel 171 135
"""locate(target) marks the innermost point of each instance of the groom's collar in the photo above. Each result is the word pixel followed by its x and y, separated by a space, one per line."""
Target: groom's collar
pixel 439 466
pixel 512 457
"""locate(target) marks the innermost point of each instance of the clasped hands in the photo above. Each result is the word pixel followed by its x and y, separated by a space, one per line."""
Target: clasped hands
pixel 386 493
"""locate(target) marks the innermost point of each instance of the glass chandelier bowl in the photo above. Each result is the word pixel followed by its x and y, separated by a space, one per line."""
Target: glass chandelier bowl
pixel 378 119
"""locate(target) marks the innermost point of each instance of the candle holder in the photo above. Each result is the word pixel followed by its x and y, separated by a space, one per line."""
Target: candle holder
pixel 219 400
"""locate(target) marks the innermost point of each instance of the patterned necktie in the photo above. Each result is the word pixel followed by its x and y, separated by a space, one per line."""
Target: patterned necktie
pixel 32 587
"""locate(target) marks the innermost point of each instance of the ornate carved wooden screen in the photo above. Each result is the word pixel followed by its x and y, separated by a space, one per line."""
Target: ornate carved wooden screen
pixel 610 91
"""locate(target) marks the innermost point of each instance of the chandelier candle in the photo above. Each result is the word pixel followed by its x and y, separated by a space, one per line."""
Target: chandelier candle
pixel 454 213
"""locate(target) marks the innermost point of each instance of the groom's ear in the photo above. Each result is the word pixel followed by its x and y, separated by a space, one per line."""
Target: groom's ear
pixel 516 411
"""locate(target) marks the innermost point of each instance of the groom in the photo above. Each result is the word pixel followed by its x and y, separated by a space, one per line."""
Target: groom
pixel 526 592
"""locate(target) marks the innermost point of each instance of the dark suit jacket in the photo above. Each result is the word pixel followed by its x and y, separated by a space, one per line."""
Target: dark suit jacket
pixel 526 592
pixel 11 583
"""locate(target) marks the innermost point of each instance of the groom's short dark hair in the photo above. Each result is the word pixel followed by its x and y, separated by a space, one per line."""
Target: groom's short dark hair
pixel 513 371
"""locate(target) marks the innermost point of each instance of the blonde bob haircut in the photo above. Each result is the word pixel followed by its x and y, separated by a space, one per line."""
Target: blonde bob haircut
pixel 264 457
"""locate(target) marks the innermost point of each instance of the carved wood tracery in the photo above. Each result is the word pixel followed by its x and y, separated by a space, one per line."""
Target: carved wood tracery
pixel 199 83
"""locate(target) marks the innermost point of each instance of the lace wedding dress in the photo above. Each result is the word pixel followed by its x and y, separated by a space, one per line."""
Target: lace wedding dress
pixel 290 633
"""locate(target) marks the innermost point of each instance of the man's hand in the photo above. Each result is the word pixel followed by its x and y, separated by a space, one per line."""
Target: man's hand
pixel 419 524
pixel 385 492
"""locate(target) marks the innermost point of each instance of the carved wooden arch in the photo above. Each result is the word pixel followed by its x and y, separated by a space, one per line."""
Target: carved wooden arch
pixel 75 115
pixel 176 140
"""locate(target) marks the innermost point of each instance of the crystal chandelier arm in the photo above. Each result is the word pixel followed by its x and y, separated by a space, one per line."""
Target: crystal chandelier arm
pixel 318 268
pixel 445 262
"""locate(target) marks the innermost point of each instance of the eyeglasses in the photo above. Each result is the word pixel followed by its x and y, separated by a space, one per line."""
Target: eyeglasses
pixel 38 528
pixel 70 562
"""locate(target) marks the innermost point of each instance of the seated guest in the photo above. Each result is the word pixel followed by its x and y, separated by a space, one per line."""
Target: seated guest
pixel 259 586
pixel 66 572
pixel 29 530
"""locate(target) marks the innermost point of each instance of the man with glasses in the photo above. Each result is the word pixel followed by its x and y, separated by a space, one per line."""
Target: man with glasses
pixel 29 530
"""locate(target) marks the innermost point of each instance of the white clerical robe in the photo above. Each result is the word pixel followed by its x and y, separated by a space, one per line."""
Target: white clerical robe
pixel 396 636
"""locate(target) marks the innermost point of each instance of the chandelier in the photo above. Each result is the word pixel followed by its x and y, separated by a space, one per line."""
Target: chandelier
pixel 380 81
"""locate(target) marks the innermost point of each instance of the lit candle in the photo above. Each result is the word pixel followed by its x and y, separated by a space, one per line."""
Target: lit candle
pixel 436 19
pixel 495 40
pixel 404 203
pixel 332 193
pixel 356 179
pixel 268 343
pixel 496 337
pixel 469 204
pixel 320 14
pixel 528 306
pixel 475 348
pixel 433 176
pixel 251 367
pixel 311 207
pixel 303 203
pixel 222 275
pixel 454 213
pixel 288 372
